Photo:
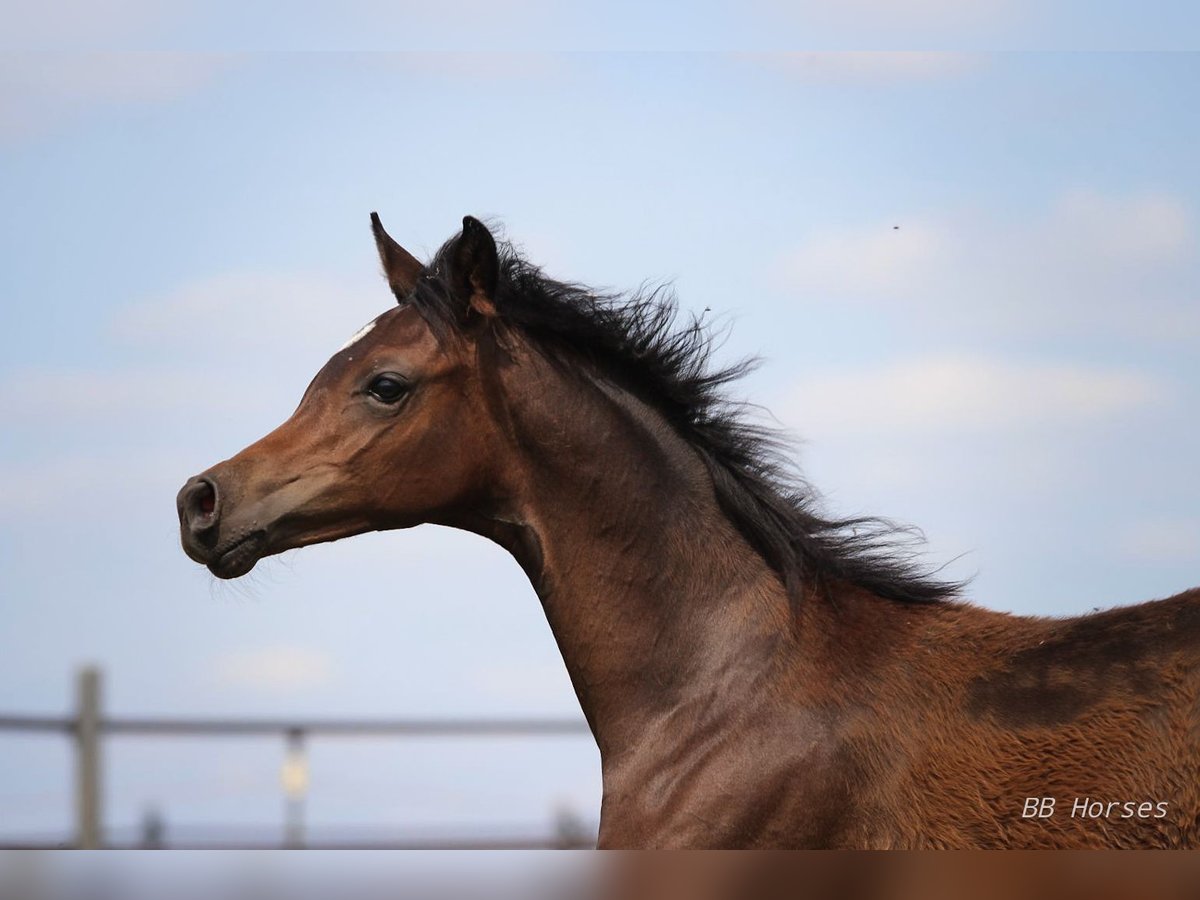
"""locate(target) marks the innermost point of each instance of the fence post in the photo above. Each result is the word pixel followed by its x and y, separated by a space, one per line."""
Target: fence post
pixel 294 776
pixel 87 748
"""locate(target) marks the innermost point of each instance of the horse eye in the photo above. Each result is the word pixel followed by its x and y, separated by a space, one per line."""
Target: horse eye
pixel 388 388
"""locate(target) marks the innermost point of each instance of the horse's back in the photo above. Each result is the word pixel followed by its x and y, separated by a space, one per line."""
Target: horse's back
pixel 1051 671
pixel 1100 709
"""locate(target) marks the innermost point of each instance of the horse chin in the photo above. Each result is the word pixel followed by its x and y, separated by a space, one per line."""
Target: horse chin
pixel 239 558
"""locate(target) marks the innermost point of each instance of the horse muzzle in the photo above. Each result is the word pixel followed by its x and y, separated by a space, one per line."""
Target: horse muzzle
pixel 228 552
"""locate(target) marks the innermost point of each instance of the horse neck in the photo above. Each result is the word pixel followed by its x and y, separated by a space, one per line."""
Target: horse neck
pixel 655 599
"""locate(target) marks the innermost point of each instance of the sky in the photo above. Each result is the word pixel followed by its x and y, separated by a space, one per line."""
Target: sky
pixel 590 25
pixel 973 278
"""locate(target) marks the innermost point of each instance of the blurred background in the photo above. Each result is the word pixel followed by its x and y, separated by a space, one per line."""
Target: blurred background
pixel 974 278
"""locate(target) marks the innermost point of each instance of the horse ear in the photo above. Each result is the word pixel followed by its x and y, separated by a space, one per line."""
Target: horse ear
pixel 475 267
pixel 399 266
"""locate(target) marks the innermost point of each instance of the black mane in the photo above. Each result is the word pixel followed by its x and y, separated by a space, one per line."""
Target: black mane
pixel 638 340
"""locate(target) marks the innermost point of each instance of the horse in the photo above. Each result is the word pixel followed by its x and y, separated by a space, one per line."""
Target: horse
pixel 756 673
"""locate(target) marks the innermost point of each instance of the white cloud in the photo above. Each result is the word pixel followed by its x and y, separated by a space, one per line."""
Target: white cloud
pixel 896 18
pixel 1161 540
pixel 282 668
pixel 966 394
pixel 926 11
pixel 869 262
pixel 36 395
pixel 1088 263
pixel 135 77
pixel 274 312
pixel 472 66
pixel 1139 228
pixel 276 323
pixel 84 481
pixel 38 91
pixel 868 66
pixel 79 24
pixel 179 394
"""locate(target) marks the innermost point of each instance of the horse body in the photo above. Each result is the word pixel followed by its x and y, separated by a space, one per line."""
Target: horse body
pixel 754 675
pixel 984 712
pixel 942 739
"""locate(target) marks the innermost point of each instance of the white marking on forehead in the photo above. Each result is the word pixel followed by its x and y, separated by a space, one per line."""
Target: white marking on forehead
pixel 357 336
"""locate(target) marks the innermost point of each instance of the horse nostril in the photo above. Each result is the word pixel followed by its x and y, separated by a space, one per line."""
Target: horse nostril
pixel 198 505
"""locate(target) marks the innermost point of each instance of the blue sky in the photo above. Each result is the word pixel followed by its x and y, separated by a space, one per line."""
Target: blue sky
pixel 186 240
pixel 525 25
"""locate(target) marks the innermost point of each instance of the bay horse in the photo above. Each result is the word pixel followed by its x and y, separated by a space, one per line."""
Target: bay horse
pixel 755 672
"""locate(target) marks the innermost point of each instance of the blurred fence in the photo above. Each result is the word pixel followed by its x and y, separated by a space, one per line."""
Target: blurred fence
pixel 88 727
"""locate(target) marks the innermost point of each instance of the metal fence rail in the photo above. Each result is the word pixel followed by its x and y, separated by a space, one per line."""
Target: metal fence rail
pixel 88 726
pixel 475 727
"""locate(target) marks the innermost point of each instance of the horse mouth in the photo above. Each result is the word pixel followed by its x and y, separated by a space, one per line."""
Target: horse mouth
pixel 239 557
